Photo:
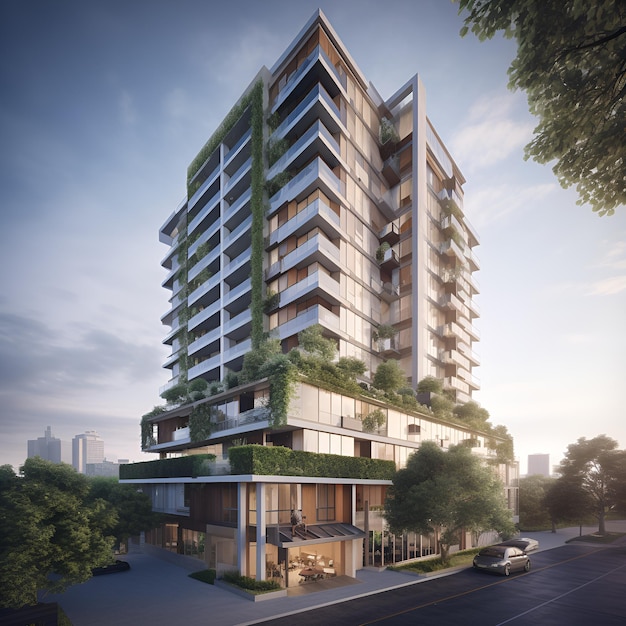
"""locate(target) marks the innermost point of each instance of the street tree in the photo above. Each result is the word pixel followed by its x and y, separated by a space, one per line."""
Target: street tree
pixel 533 514
pixel 133 508
pixel 50 537
pixel 446 492
pixel 567 502
pixel 594 465
pixel 571 62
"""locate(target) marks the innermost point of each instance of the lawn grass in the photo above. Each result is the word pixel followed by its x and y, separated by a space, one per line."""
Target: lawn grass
pixel 457 559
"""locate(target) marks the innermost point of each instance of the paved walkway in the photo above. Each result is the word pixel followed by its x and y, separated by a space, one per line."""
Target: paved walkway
pixel 159 592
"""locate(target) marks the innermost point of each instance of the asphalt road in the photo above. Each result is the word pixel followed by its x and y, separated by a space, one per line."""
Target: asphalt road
pixel 573 585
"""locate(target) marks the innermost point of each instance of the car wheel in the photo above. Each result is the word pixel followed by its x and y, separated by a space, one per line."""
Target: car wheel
pixel 527 566
pixel 507 570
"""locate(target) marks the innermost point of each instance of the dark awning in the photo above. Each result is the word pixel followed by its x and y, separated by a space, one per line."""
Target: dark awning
pixel 315 533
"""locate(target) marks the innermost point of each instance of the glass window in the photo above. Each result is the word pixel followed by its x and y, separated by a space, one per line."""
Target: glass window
pixel 325 503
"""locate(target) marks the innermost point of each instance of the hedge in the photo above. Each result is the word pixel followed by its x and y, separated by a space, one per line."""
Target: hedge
pixel 191 465
pixel 280 461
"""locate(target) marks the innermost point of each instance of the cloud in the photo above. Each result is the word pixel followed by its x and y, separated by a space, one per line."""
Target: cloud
pixel 615 256
pixel 490 204
pixel 607 286
pixel 39 362
pixel 491 132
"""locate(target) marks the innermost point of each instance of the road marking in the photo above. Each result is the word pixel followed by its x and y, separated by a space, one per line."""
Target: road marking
pixel 512 619
pixel 499 582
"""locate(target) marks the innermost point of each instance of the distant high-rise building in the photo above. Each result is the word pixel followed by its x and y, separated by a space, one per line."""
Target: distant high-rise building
pixel 539 464
pixel 49 448
pixel 87 448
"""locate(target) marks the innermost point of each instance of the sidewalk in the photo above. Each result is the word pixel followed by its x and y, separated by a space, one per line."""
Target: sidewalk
pixel 159 592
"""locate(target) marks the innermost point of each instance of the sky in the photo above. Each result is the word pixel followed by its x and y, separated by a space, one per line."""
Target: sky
pixel 104 104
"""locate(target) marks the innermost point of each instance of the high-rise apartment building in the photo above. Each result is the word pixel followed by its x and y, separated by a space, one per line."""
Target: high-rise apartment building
pixel 49 448
pixel 361 230
pixel 87 447
pixel 316 202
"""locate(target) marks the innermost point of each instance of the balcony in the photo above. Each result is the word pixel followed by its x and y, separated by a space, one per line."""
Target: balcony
pixel 213 178
pixel 316 175
pixel 238 239
pixel 207 209
pixel 453 357
pixel 388 203
pixel 473 259
pixel 209 367
pixel 389 234
pixel 315 215
pixel 389 260
pixel 316 140
pixel 317 284
pixel 387 347
pixel 317 249
pixel 317 105
pixel 451 202
pixel 451 249
pixel 452 382
pixel 391 170
pixel 316 314
pixel 238 326
pixel 207 344
pixel 316 68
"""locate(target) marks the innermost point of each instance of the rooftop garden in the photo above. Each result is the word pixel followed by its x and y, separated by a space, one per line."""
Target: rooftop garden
pixel 262 460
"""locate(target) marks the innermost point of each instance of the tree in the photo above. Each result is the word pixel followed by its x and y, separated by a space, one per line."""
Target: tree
pixel 595 466
pixel 351 367
pixel 449 492
pixel 389 376
pixel 50 537
pixel 429 384
pixel 472 414
pixel 571 62
pixel 533 514
pixel 133 509
pixel 566 501
pixel 312 340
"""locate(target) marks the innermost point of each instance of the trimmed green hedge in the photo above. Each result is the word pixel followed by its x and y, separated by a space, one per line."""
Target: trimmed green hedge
pixel 280 461
pixel 192 465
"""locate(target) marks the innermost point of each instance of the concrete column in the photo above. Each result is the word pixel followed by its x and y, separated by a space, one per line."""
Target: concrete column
pixel 261 531
pixel 242 523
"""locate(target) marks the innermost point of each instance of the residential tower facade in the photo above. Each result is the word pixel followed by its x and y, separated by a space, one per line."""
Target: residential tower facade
pixel 315 203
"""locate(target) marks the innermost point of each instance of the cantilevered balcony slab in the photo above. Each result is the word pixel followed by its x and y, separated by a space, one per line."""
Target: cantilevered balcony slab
pixel 317 284
pixel 317 175
pixel 316 215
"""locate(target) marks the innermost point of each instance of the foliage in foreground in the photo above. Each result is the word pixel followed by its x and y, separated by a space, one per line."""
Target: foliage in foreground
pixel 50 536
pixel 571 64
pixel 56 525
pixel 446 492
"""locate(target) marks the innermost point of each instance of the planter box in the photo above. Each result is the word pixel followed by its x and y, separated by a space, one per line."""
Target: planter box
pixel 248 595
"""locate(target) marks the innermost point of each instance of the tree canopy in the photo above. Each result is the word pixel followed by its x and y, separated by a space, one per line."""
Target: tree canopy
pixel 133 509
pixel 571 62
pixel 597 468
pixel 50 537
pixel 533 514
pixel 446 492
